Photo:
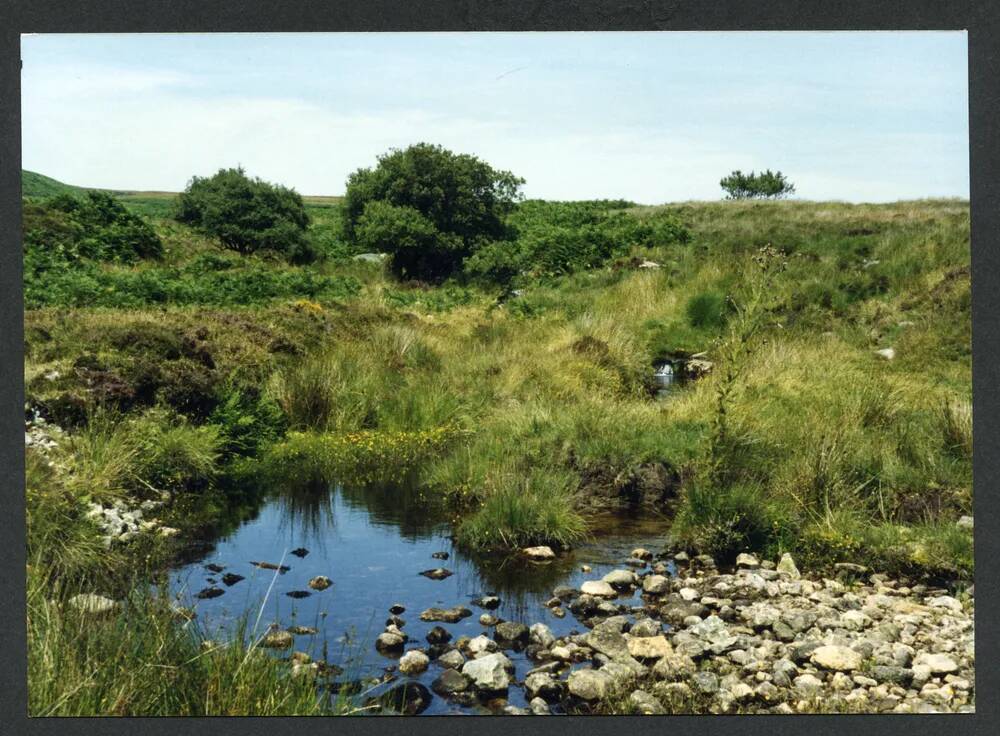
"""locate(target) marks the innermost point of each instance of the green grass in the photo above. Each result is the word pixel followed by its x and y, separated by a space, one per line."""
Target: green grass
pixel 205 369
pixel 37 185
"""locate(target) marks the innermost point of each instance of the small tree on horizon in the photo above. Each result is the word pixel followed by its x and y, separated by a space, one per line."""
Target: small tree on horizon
pixel 765 185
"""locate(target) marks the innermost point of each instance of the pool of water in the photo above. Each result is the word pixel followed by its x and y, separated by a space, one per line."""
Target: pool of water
pixel 373 542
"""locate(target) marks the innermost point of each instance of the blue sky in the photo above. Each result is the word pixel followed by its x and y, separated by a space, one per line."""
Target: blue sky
pixel 651 117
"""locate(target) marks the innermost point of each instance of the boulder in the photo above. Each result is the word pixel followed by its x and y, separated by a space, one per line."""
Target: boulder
pixel 620 579
pixel 511 632
pixel 413 662
pixel 438 635
pixel 599 588
pixel 488 673
pixel 540 553
pixel 452 659
pixel 838 658
pixel 542 635
pixel 787 566
pixel 389 642
pixel 277 640
pixel 589 684
pixel 543 685
pixel 656 585
pixel 649 647
pixel 449 682
pixel 939 664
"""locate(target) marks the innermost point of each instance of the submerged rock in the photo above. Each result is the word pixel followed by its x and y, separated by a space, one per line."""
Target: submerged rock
pixel 438 635
pixel 298 594
pixel 409 698
pixel 320 582
pixel 271 566
pixel 212 567
pixel 300 552
pixel 231 578
pixel 277 640
pixel 447 615
pixel 302 630
pixel 438 573
pixel 450 681
pixel 440 555
pixel 489 602
pixel 211 592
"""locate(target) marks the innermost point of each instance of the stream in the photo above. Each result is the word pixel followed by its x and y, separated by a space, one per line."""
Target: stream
pixel 372 542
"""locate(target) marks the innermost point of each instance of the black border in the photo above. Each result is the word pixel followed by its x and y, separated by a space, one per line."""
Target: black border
pixel 980 18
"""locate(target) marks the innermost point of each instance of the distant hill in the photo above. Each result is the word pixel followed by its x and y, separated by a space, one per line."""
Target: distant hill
pixel 34 184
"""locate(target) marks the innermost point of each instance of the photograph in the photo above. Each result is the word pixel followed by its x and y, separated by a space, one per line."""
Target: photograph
pixel 497 373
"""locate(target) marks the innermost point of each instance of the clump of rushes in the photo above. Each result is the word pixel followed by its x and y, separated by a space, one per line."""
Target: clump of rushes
pixel 363 456
pixel 521 510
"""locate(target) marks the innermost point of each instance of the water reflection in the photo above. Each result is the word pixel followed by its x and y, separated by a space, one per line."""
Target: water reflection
pixel 373 541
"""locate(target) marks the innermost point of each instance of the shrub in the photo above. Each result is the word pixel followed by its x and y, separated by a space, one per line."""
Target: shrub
pixel 247 215
pixel 707 310
pixel 66 229
pixel 429 208
pixel 765 185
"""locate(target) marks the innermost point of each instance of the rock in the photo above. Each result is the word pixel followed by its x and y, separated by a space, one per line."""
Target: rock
pixel 440 555
pixel 438 573
pixel 656 584
pixel 619 579
pixel 447 615
pixel 688 594
pixel 212 567
pixel 599 588
pixel 413 662
pixel 298 594
pixel 886 353
pixel 489 602
pixel 945 601
pixel 964 522
pixel 589 684
pixel 542 635
pixel 397 608
pixel 674 667
pixel 649 265
pixel 480 644
pixel 282 569
pixel 649 647
pixel 706 683
pixel 448 682
pixel 300 552
pixel 586 568
pixel 511 632
pixel 389 642
pixel 539 707
pixel 409 698
pixel 231 578
pixel 305 670
pixel 892 674
pixel 302 630
pixel 320 582
pixel 540 553
pixel 787 566
pixel 277 640
pixel 807 686
pixel 438 635
pixel 646 627
pixel 488 673
pixel 208 593
pixel 452 659
pixel 168 531
pixel 836 658
pixel 543 685
pixel 939 664
pixel 488 620
pixel 783 673
pixel 747 560
pixel 93 604
pixel 558 612
pixel 395 621
pixel 641 553
pixel 645 704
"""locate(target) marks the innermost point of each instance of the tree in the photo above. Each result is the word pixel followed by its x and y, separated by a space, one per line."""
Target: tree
pixel 429 208
pixel 247 215
pixel 765 185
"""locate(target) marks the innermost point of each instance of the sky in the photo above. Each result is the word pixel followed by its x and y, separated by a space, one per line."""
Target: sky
pixel 651 117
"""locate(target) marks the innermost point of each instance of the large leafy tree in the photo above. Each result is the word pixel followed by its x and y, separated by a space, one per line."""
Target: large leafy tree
pixel 429 208
pixel 246 214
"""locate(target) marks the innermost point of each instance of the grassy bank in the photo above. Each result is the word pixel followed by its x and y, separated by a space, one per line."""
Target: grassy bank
pixel 524 407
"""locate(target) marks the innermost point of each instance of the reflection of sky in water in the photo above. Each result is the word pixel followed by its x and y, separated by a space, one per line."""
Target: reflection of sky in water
pixel 373 542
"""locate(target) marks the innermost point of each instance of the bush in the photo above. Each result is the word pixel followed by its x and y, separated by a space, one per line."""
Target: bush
pixel 429 208
pixel 247 215
pixel 765 185
pixel 96 226
pixel 707 310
